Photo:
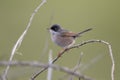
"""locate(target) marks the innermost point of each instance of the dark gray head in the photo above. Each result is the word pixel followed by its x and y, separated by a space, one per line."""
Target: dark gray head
pixel 55 27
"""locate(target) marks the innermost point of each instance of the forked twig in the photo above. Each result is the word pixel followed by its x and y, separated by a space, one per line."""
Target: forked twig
pixel 42 65
pixel 20 39
pixel 77 46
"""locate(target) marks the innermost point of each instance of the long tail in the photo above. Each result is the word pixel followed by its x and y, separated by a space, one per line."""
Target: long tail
pixel 79 34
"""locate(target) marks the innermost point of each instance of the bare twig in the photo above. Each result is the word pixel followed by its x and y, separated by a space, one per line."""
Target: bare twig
pixel 110 53
pixel 79 61
pixel 112 60
pixel 86 66
pixel 91 62
pixel 38 64
pixel 77 65
pixel 49 75
pixel 77 46
pixel 20 39
pixel 47 38
pixel 46 42
pixel 45 48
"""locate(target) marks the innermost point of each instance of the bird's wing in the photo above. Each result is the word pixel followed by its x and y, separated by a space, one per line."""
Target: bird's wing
pixel 68 34
pixel 72 34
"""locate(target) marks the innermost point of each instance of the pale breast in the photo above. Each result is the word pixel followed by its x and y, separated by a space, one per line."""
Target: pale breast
pixel 63 41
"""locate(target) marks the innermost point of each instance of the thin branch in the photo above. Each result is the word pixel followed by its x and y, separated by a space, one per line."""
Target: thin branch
pixel 77 46
pixel 49 75
pixel 46 42
pixel 77 65
pixel 38 64
pixel 110 53
pixel 79 62
pixel 112 60
pixel 86 66
pixel 91 62
pixel 45 48
pixel 20 39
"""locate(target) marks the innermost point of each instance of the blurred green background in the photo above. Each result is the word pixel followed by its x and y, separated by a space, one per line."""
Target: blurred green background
pixel 76 15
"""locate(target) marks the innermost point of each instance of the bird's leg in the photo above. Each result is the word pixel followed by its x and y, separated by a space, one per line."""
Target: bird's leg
pixel 62 51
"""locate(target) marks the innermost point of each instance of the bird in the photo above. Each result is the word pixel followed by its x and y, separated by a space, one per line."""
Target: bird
pixel 62 37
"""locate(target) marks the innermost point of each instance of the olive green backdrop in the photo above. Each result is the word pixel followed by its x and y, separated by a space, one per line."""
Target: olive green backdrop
pixel 76 15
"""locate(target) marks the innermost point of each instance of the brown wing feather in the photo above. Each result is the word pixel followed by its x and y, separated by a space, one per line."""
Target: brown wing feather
pixel 72 34
pixel 68 34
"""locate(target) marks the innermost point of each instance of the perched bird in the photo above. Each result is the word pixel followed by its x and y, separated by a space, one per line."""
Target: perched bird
pixel 62 37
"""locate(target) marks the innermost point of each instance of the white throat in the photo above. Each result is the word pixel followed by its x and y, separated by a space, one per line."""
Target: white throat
pixel 54 33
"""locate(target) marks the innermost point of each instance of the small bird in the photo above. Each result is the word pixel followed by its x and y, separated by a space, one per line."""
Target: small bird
pixel 62 37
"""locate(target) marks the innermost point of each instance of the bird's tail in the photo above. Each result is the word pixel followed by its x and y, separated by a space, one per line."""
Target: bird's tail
pixel 79 34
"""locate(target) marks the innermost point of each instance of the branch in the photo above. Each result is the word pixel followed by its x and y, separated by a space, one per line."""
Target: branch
pixel 50 70
pixel 77 66
pixel 38 64
pixel 77 46
pixel 20 39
